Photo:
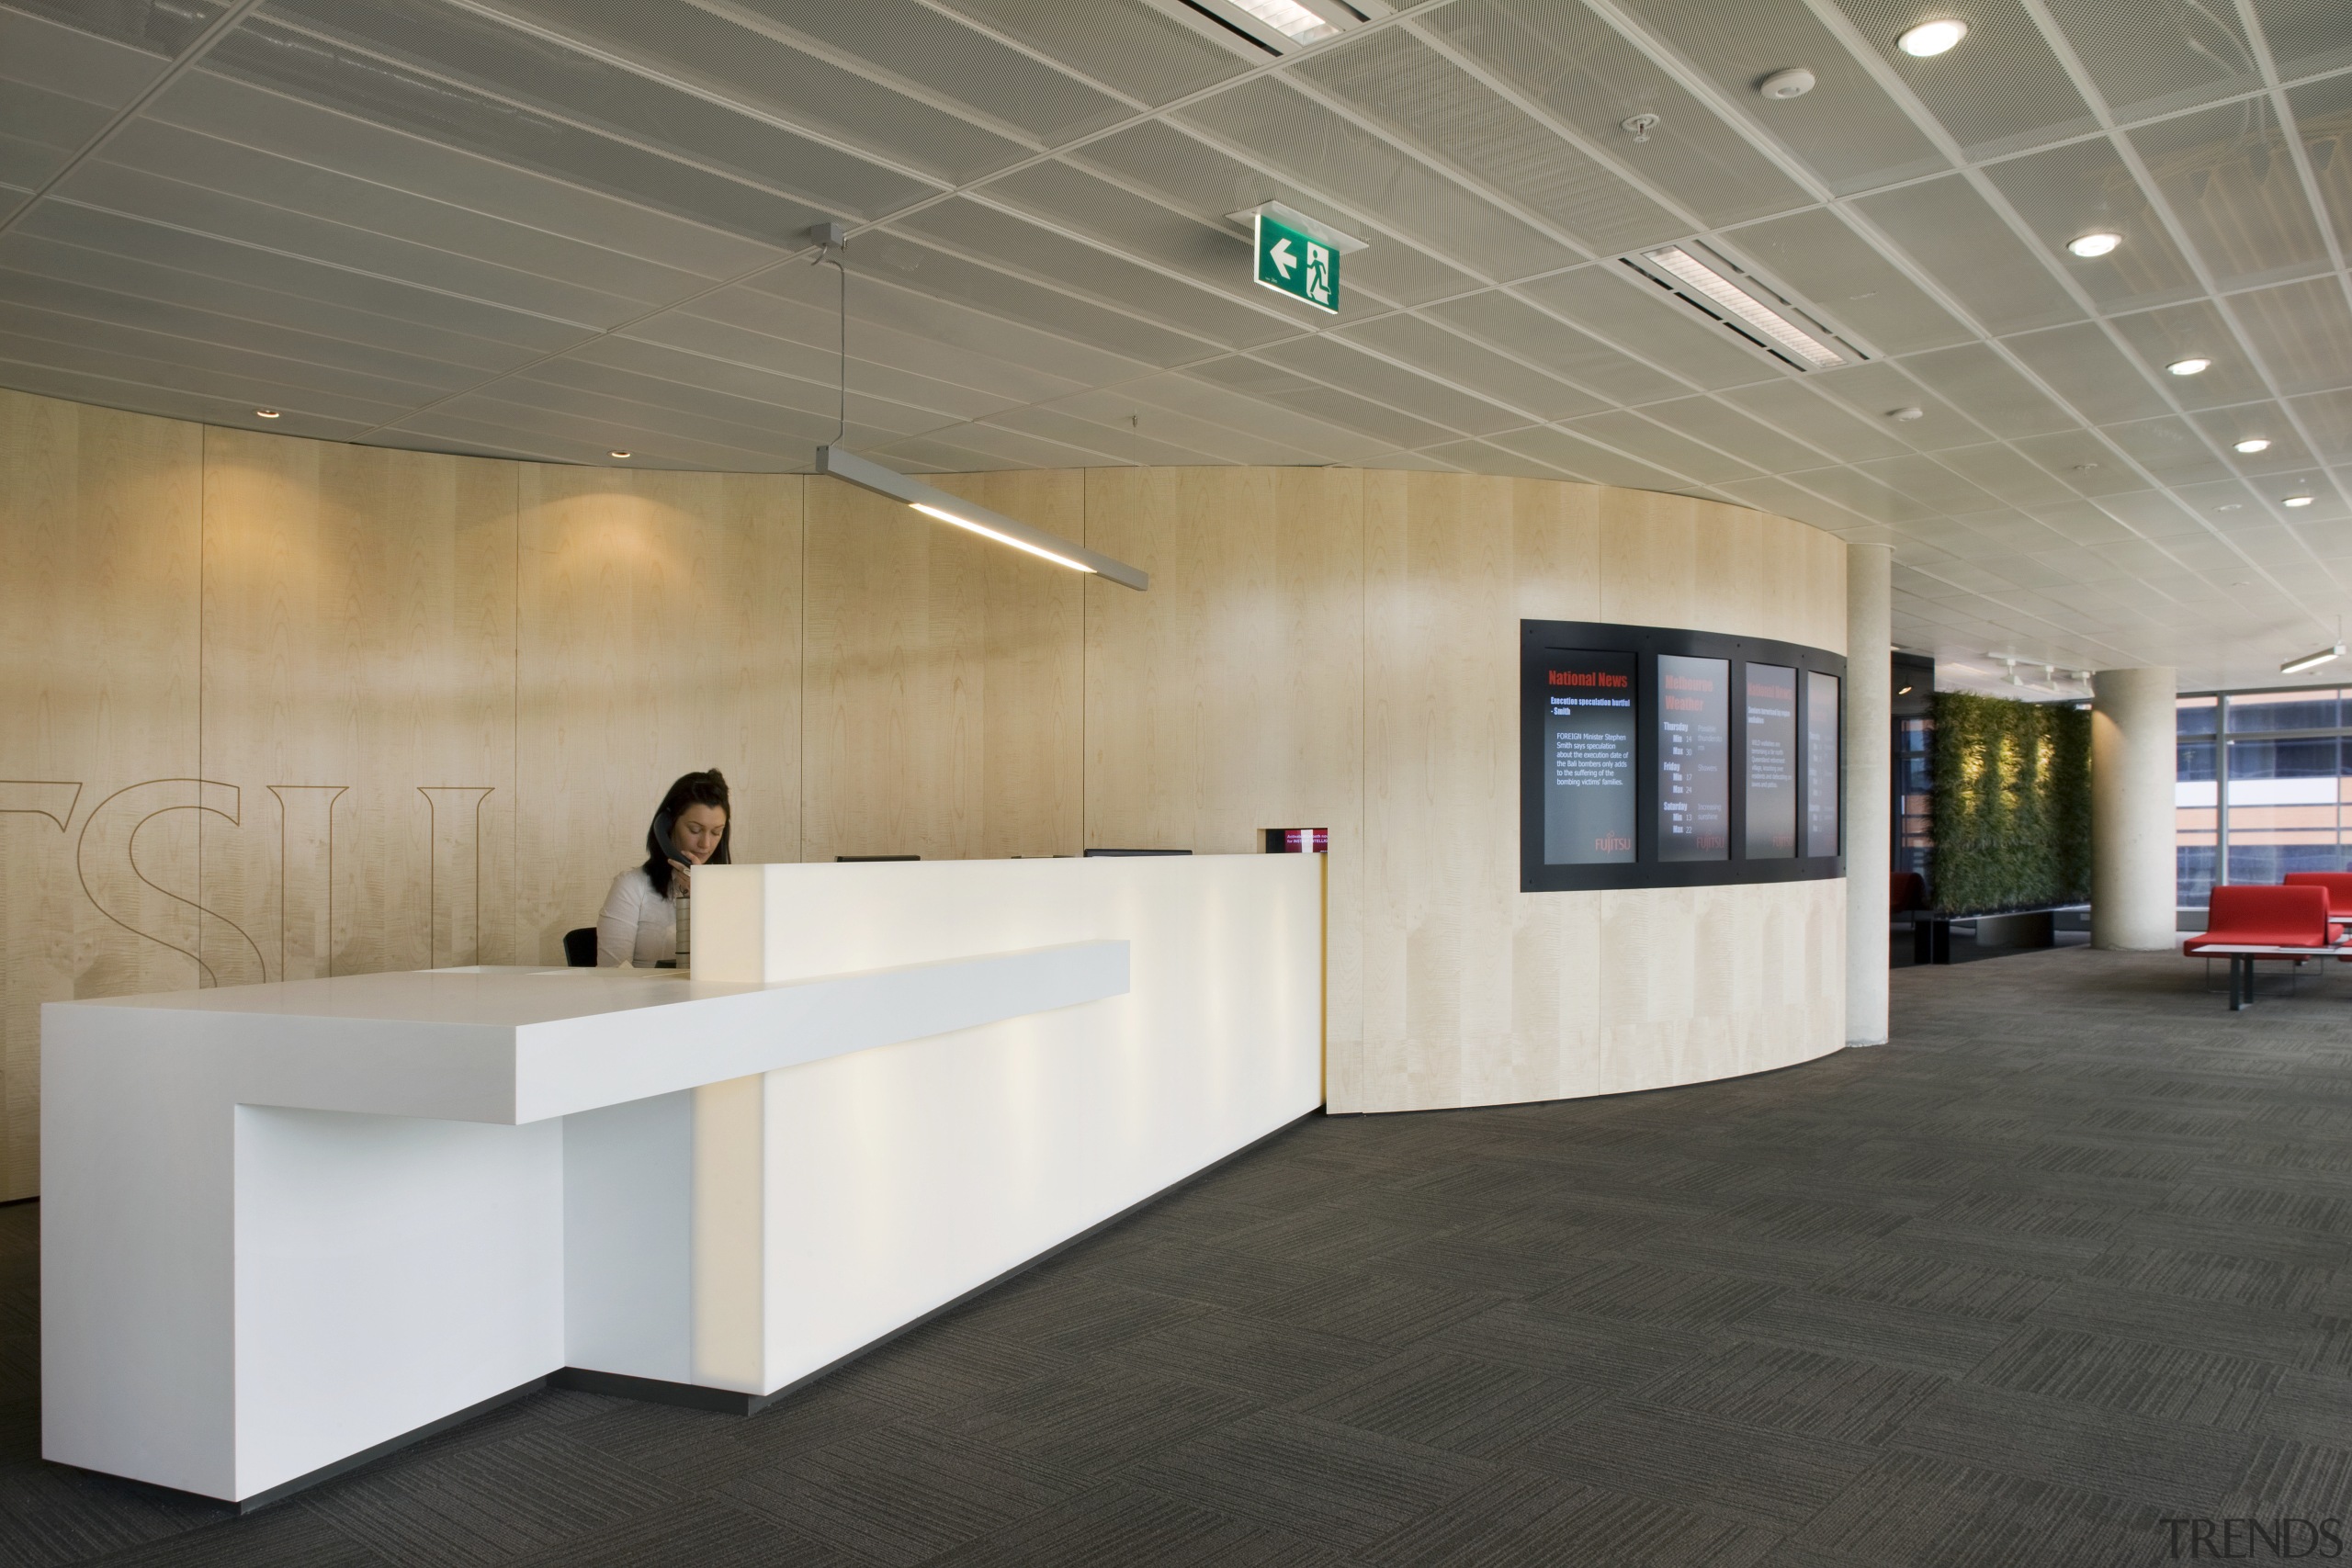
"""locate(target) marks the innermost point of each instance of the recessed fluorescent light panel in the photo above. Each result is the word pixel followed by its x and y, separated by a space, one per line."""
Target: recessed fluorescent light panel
pixel 2296 501
pixel 1280 25
pixel 2192 365
pixel 2252 444
pixel 954 509
pixel 1771 326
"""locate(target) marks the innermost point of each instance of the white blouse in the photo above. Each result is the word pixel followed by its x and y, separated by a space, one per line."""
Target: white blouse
pixel 639 925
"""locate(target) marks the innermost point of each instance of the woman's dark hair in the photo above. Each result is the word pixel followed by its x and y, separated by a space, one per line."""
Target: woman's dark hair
pixel 707 788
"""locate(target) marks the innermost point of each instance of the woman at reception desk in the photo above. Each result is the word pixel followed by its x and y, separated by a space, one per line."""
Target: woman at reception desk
pixel 639 925
pixel 288 1226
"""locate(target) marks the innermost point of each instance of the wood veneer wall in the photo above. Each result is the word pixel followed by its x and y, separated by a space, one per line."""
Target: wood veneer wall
pixel 277 708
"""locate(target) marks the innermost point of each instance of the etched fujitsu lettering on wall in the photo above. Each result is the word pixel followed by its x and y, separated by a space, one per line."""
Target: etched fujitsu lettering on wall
pixel 306 879
pixel 108 857
pixel 455 892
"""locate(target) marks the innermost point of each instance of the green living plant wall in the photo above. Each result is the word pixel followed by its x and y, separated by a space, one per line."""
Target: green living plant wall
pixel 2012 804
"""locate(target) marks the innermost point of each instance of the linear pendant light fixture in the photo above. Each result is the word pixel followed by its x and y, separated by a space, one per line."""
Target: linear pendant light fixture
pixel 2318 657
pixel 840 463
pixel 843 464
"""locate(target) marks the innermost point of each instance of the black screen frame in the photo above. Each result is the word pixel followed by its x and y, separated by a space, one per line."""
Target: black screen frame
pixel 1537 638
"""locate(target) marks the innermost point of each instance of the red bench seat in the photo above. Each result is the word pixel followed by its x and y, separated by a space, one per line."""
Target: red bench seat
pixel 2246 916
pixel 2337 883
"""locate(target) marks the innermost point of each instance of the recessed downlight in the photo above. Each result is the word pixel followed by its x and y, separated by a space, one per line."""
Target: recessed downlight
pixel 267 413
pixel 2192 365
pixel 2296 501
pixel 617 452
pixel 1930 38
pixel 2098 242
pixel 2253 444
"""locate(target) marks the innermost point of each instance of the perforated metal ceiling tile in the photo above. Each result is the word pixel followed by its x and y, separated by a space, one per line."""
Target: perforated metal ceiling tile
pixel 2229 177
pixel 2002 471
pixel 1323 151
pixel 2303 333
pixel 1339 364
pixel 1397 80
pixel 707 56
pixel 1290 390
pixel 1789 499
pixel 1719 426
pixel 1209 183
pixel 1118 442
pixel 1989 389
pixel 2002 89
pixel 68 63
pixel 749 327
pixel 1946 229
pixel 93 348
pixel 2155 516
pixel 1873 391
pixel 167 205
pixel 2082 366
pixel 2323 116
pixel 355 82
pixel 2195 331
pixel 948 59
pixel 141 388
pixel 1213 441
pixel 1931 484
pixel 1466 364
pixel 2082 463
pixel 1817 420
pixel 1858 493
pixel 1854 287
pixel 1186 396
pixel 1847 129
pixel 793 376
pixel 2086 187
pixel 1579 458
pixel 2268 421
pixel 324 139
pixel 198 294
pixel 1122 44
pixel 1517 328
pixel 2327 416
pixel 371 212
pixel 1041 252
pixel 564 397
pixel 159 29
pixel 2170 448
pixel 1588 77
pixel 2305 36
pixel 393 375
pixel 899 259
pixel 1614 305
pixel 1652 442
pixel 2146 57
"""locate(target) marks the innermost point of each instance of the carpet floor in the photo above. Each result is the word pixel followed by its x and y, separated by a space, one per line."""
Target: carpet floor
pixel 2068 1260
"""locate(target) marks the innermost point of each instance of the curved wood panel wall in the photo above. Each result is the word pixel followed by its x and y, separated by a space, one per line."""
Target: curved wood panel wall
pixel 280 707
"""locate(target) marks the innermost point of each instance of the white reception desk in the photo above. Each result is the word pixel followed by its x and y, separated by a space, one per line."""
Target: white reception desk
pixel 288 1227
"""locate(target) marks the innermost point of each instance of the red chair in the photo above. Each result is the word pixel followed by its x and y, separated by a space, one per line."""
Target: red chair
pixel 2289 923
pixel 2337 883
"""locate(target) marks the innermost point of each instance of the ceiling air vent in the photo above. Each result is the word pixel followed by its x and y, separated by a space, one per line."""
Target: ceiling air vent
pixel 1741 302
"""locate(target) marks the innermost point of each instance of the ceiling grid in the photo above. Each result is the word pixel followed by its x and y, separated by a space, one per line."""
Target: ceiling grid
pixel 504 226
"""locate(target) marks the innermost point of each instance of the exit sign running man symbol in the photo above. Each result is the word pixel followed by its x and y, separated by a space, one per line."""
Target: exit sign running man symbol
pixel 1293 263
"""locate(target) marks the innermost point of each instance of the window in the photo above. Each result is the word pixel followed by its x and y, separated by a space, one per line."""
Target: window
pixel 2261 787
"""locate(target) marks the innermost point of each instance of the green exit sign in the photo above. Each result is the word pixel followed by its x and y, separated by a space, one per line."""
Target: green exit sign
pixel 1292 262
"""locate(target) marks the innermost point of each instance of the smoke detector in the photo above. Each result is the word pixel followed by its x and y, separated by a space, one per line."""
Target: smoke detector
pixel 1793 83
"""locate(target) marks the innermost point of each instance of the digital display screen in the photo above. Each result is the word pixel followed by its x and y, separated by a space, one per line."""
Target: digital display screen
pixel 1771 735
pixel 1821 728
pixel 1693 758
pixel 1589 735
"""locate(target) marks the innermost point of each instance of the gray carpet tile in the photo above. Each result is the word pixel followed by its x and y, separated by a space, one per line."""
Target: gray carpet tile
pixel 2071 1255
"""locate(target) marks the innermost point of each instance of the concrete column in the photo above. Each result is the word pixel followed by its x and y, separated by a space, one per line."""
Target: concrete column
pixel 1870 787
pixel 2132 771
